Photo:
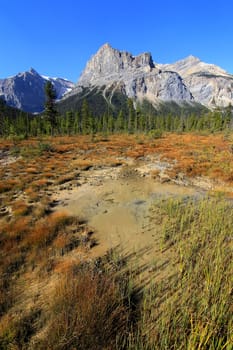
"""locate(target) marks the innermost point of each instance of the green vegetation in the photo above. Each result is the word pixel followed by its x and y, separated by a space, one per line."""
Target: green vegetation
pixel 12 119
pixel 52 299
pixel 97 305
pixel 93 114
pixel 50 109
pixel 192 309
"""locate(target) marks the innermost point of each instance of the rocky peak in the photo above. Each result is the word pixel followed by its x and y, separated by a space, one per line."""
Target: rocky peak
pixel 190 59
pixel 105 47
pixel 108 63
pixel 29 76
pixel 144 60
pixel 26 90
pixel 193 65
pixel 136 75
pixel 206 82
pixel 182 66
pixel 33 71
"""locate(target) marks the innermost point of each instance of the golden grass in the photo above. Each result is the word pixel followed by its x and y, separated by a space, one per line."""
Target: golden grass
pixel 193 155
pixel 32 170
pixel 34 240
pixel 16 229
pixel 20 208
pixel 90 312
pixel 46 229
pixel 41 183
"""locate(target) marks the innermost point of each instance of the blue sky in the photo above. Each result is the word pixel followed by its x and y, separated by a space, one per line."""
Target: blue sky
pixel 58 37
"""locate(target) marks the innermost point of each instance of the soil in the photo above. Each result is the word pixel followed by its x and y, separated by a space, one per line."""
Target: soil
pixel 116 203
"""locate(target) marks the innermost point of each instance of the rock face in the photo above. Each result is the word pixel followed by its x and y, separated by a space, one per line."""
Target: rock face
pixel 189 80
pixel 137 76
pixel 26 90
pixel 209 84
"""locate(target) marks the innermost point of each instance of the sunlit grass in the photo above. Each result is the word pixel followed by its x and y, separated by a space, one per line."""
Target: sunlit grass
pixel 42 250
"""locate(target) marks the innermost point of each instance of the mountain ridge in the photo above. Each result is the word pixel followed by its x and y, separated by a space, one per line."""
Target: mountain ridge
pixel 25 90
pixel 188 79
pixel 139 77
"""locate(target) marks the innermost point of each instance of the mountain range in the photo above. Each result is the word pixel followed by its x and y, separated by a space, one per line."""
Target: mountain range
pixel 25 90
pixel 111 75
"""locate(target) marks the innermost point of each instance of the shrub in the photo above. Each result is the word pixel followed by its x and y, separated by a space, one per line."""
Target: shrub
pixel 155 134
pixel 46 147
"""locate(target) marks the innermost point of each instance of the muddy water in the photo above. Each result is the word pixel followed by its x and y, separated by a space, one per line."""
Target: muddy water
pixel 118 211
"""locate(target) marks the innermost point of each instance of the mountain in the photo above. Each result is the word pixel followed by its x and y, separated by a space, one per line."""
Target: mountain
pixel 137 77
pixel 10 112
pixel 111 76
pixel 26 90
pixel 209 84
pixel 187 81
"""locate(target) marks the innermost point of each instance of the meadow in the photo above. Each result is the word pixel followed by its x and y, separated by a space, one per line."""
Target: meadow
pixel 55 295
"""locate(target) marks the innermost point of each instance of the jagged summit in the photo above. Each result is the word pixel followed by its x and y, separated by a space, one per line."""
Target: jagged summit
pixel 108 64
pixel 188 79
pixel 193 65
pixel 105 46
pixel 33 71
pixel 26 90
pixel 190 58
pixel 137 76
pixel 209 84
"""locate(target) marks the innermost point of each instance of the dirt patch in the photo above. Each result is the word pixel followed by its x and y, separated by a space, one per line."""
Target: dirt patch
pixel 6 158
pixel 116 204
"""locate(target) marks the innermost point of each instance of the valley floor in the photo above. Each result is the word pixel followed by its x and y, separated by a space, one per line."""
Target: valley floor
pixel 116 203
pixel 131 200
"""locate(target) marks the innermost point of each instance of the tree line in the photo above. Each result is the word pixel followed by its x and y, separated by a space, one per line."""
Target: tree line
pixel 134 119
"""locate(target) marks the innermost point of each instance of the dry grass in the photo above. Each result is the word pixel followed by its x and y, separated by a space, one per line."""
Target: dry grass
pixel 208 155
pixel 38 246
pixel 86 311
pixel 32 170
pixel 46 229
pixel 20 208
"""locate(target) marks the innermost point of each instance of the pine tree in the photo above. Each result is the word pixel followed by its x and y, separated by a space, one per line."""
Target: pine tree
pixel 120 122
pixel 50 109
pixel 70 121
pixel 86 119
pixel 77 123
pixel 110 123
pixel 131 116
pixel 141 122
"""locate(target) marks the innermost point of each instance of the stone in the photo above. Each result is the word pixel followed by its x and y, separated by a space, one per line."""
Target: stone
pixel 137 76
pixel 26 90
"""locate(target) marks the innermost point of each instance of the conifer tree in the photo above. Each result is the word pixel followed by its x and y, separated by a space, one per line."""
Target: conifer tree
pixel 86 118
pixel 131 116
pixel 77 123
pixel 50 109
pixel 70 122
pixel 110 123
pixel 120 122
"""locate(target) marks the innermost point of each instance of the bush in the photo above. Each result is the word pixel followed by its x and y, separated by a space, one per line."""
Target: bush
pixel 46 147
pixel 155 134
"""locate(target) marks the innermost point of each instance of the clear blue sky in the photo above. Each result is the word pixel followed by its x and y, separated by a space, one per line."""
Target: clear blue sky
pixel 57 37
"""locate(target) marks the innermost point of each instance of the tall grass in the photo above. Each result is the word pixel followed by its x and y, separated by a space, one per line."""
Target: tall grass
pixel 193 309
pixel 91 307
pixel 87 310
pixel 190 309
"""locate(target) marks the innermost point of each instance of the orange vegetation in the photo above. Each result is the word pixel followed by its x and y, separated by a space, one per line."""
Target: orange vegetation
pixel 34 239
